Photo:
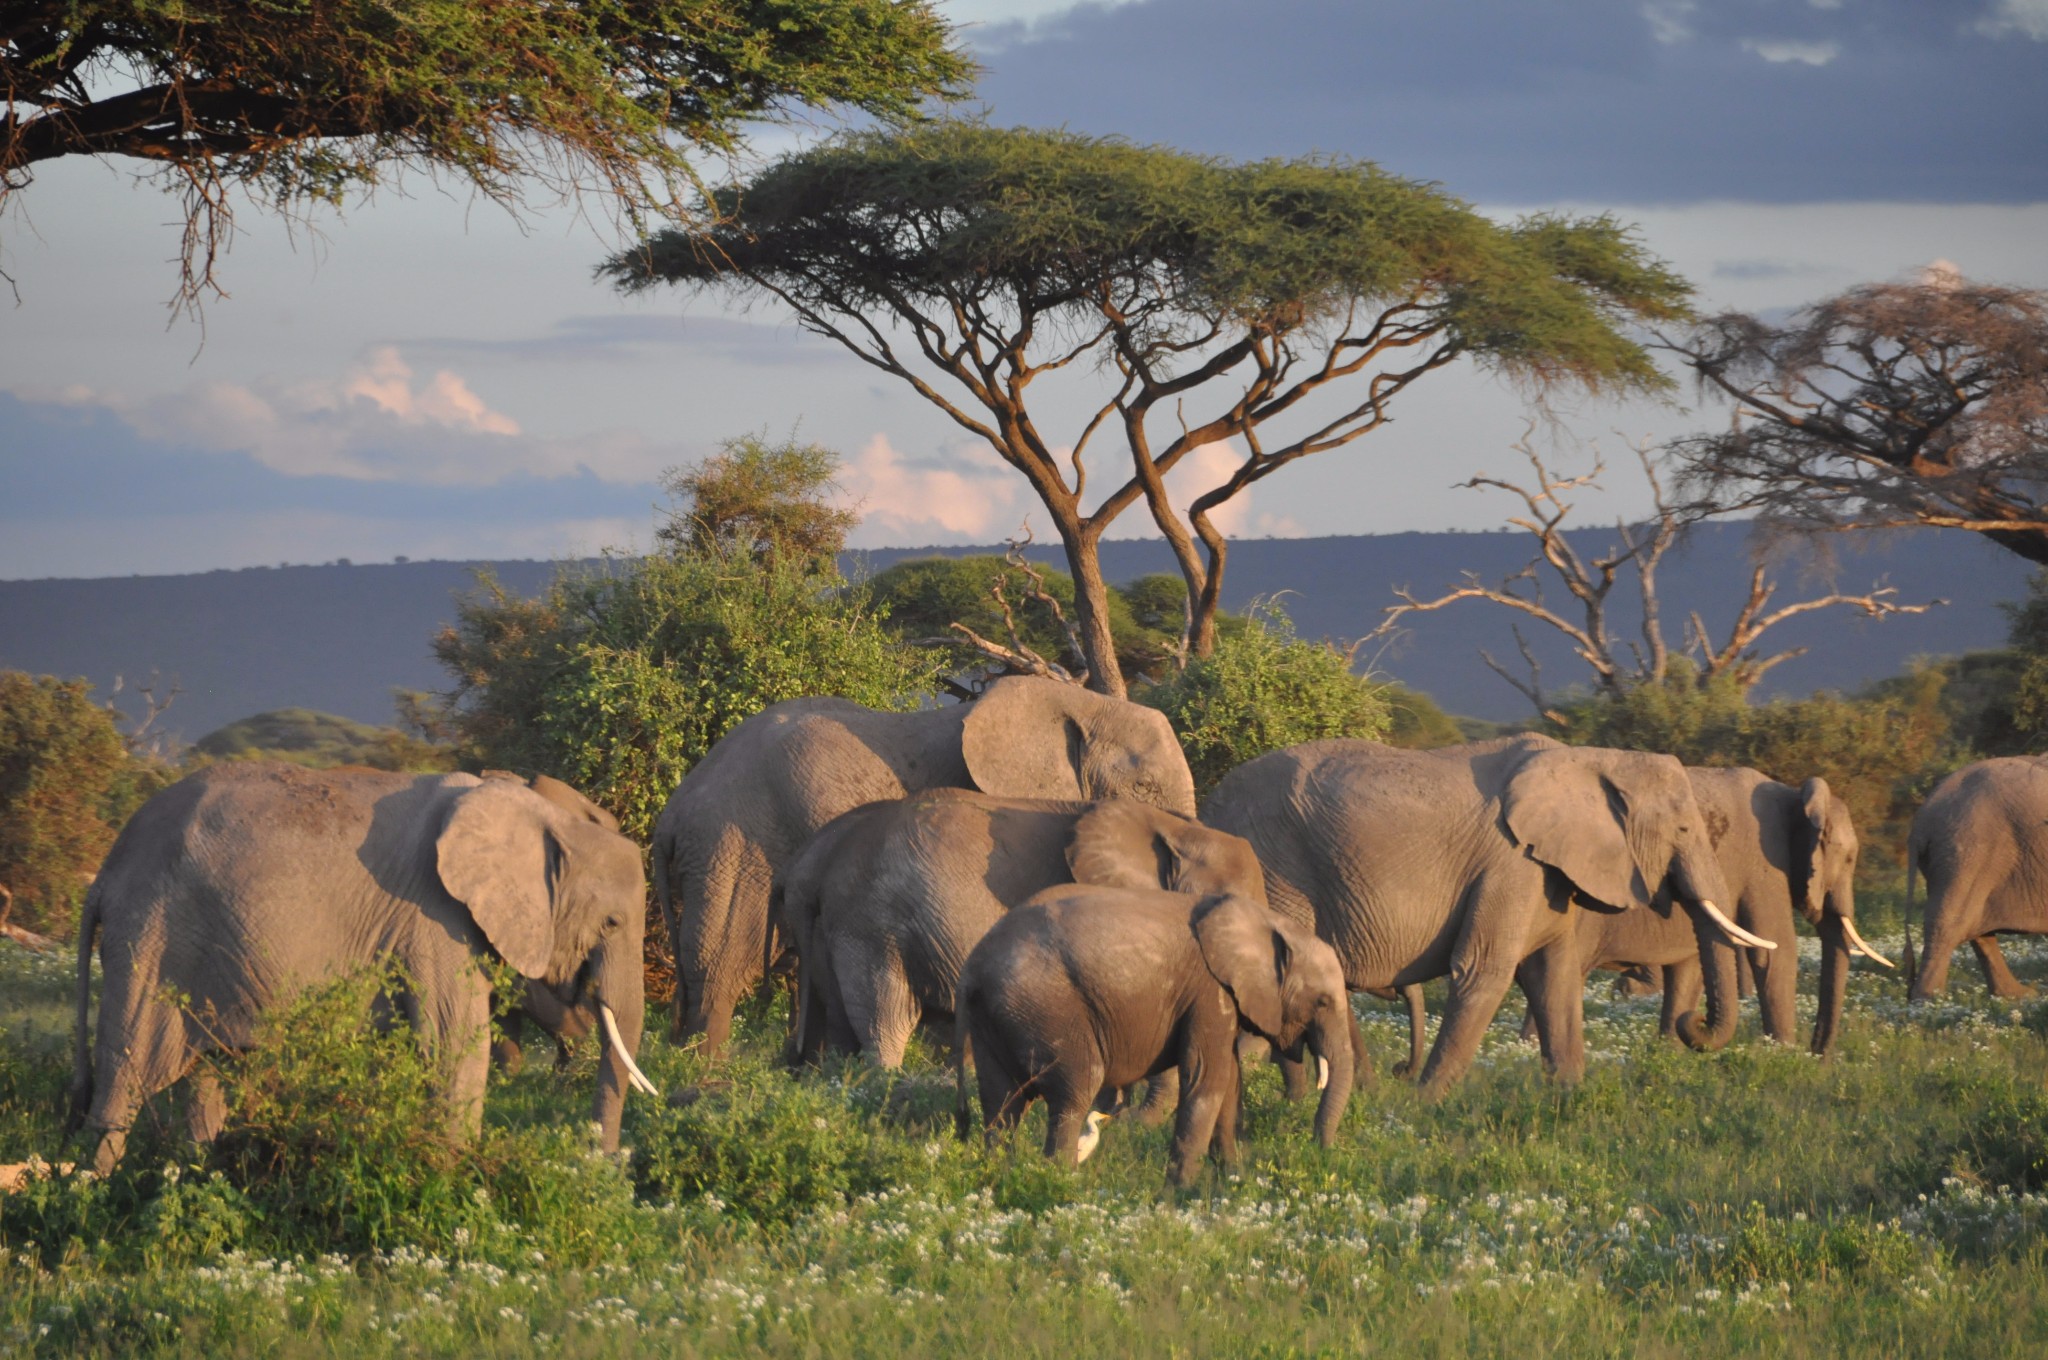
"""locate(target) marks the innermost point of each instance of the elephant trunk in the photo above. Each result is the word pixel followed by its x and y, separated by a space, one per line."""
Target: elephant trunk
pixel 1834 981
pixel 621 990
pixel 1717 970
pixel 1330 1041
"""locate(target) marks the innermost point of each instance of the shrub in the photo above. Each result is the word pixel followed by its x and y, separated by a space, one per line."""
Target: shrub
pixel 67 782
pixel 618 681
pixel 1261 689
pixel 301 736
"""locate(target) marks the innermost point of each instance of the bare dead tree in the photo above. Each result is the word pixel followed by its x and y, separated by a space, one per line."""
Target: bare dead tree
pixel 1590 580
pixel 1019 657
pixel 142 739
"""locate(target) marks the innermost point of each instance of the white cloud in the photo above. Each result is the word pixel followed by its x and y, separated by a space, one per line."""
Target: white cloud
pixel 377 421
pixel 1670 20
pixel 969 496
pixel 1779 50
pixel 2029 17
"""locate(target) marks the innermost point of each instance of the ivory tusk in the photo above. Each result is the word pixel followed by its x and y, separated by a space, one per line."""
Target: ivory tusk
pixel 1857 944
pixel 1733 931
pixel 1322 1073
pixel 634 1075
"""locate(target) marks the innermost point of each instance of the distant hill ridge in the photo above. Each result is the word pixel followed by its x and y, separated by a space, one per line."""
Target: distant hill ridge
pixel 340 638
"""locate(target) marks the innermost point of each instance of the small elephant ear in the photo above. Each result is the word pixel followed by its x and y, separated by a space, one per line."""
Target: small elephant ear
pixel 1023 738
pixel 572 802
pixel 1245 953
pixel 1119 843
pixel 1817 799
pixel 1568 808
pixel 496 856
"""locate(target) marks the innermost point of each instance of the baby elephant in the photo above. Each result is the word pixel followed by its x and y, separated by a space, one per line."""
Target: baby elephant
pixel 1086 988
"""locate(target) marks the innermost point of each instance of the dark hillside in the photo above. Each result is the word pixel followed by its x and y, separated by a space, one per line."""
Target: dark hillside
pixel 339 639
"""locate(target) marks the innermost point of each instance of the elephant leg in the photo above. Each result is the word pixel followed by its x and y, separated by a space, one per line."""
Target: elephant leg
pixel 1777 990
pixel 1202 1104
pixel 206 1110
pixel 1162 1096
pixel 1745 975
pixel 1483 965
pixel 880 1010
pixel 1229 1119
pixel 1683 989
pixel 1997 975
pixel 1418 1031
pixel 1555 984
pixel 1069 1100
pixel 1955 906
pixel 1361 1056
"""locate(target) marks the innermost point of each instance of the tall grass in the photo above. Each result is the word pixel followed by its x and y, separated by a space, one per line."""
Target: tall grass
pixel 1889 1201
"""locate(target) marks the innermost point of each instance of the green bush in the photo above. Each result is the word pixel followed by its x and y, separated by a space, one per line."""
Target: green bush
pixel 67 783
pixel 619 680
pixel 302 736
pixel 1263 688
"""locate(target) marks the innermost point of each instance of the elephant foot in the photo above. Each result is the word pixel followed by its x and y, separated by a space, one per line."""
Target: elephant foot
pixel 2014 991
pixel 507 1056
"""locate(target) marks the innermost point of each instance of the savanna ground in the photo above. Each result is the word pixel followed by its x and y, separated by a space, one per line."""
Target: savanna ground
pixel 1887 1202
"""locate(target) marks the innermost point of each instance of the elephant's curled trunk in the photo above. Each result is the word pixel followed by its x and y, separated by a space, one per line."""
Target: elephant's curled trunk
pixel 1717 971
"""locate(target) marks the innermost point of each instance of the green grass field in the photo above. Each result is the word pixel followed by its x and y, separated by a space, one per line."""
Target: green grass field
pixel 1886 1202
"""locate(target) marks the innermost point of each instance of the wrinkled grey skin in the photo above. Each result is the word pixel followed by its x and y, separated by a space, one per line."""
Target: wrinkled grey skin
pixel 241 885
pixel 774 781
pixel 1981 843
pixel 884 904
pixel 1085 989
pixel 1473 862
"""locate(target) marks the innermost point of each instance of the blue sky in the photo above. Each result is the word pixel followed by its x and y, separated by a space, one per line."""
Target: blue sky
pixel 425 376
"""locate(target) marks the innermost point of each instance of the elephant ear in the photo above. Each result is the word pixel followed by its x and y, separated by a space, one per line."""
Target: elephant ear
pixel 1569 810
pixel 1817 799
pixel 572 802
pixel 1022 739
pixel 1121 843
pixel 1247 954
pixel 498 858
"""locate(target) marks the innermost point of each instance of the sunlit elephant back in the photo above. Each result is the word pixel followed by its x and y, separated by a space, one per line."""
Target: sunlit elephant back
pixel 771 783
pixel 235 888
pixel 1471 862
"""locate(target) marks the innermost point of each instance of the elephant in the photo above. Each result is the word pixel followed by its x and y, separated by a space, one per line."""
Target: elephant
pixel 1084 989
pixel 746 810
pixel 1474 862
pixel 239 885
pixel 884 904
pixel 1981 843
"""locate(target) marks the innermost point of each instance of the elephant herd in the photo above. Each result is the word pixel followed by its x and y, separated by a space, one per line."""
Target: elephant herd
pixel 1028 873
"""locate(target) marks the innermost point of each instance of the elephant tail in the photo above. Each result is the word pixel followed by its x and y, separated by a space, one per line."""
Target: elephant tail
pixel 1906 925
pixel 79 1097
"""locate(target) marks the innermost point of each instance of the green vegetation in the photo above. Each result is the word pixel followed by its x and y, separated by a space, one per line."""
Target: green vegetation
pixel 304 101
pixel 1753 1202
pixel 1211 300
pixel 301 736
pixel 1263 688
pixel 67 783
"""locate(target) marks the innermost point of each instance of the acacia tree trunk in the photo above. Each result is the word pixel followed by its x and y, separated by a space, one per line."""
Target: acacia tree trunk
pixel 1091 609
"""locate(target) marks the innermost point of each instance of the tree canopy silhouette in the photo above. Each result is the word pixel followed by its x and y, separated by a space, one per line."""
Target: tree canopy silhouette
pixel 1273 308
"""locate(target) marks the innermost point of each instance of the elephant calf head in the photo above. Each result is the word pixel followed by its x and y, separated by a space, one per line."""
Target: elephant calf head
pixel 1121 843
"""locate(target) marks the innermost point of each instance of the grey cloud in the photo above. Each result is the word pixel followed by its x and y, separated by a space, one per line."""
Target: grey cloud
pixel 1530 101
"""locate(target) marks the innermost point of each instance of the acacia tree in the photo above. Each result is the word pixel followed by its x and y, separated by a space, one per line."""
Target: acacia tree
pixel 1276 307
pixel 304 100
pixel 1889 404
pixel 1734 658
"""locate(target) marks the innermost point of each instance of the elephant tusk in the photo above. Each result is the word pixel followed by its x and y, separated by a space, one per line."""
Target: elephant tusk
pixel 1733 931
pixel 1322 1073
pixel 1857 944
pixel 634 1075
